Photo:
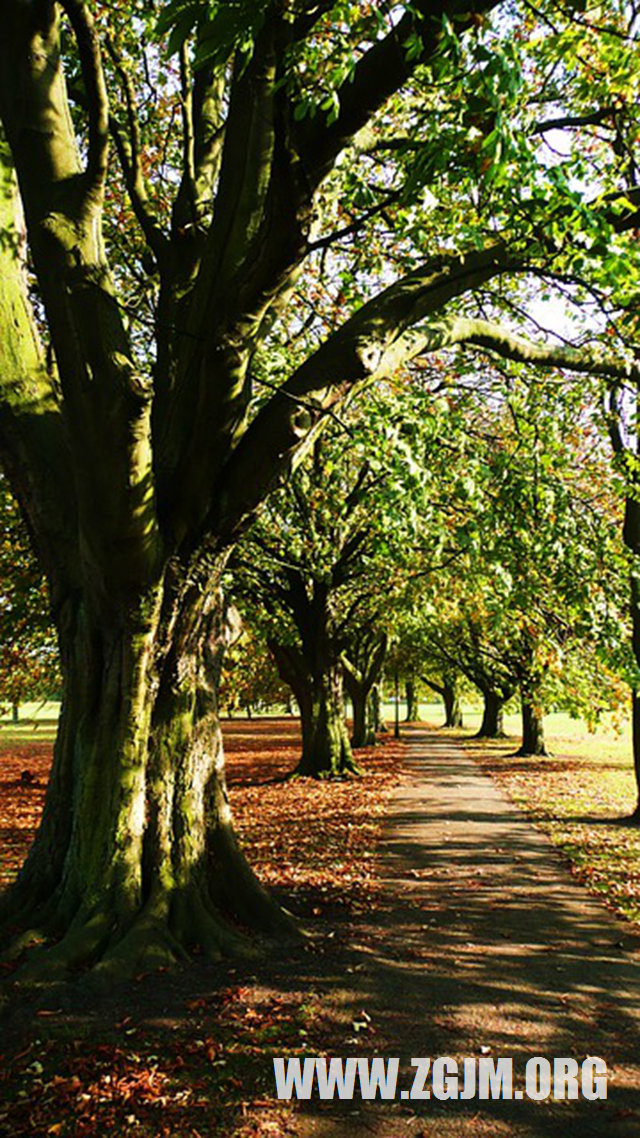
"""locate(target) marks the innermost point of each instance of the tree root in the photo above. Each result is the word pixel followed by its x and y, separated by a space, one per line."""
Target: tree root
pixel 163 934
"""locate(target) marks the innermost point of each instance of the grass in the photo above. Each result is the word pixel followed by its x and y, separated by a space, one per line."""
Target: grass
pixel 581 795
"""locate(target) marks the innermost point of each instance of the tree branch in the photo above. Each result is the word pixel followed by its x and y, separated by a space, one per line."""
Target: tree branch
pixel 90 54
pixel 483 334
pixel 128 151
pixel 372 344
pixel 380 73
pixel 594 118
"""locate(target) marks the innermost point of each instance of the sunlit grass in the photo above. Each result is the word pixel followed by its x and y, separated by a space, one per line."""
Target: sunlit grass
pixel 581 795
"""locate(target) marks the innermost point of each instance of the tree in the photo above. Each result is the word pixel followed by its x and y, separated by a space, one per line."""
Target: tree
pixel 139 467
pixel 306 568
pixel 28 653
pixel 249 677
pixel 362 661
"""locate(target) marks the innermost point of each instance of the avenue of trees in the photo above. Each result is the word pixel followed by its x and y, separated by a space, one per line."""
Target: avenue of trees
pixel 221 224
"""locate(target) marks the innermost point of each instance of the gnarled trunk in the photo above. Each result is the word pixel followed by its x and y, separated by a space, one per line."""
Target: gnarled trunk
pixel 326 750
pixel 492 726
pixel 317 686
pixel 136 863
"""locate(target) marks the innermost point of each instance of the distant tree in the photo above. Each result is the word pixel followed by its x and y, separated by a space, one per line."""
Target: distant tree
pixel 29 665
pixel 249 677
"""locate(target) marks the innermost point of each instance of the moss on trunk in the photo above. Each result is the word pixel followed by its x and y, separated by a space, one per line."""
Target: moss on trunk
pixel 136 863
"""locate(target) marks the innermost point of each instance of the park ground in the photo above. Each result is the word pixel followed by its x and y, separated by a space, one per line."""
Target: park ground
pixel 442 921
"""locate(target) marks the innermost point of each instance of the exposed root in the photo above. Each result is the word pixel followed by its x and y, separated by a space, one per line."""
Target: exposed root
pixel 79 948
pixel 163 935
pixel 523 753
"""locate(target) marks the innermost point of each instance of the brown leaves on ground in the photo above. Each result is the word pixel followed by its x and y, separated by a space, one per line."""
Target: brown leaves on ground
pixel 206 1069
pixel 312 839
pixel 24 771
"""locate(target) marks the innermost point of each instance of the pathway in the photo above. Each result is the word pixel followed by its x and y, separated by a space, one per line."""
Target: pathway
pixel 486 946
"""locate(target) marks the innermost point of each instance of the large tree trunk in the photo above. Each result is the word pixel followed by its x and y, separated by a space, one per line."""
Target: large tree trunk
pixel 326 750
pixel 492 726
pixel 632 538
pixel 532 731
pixel 413 714
pixel 135 863
pixel 452 708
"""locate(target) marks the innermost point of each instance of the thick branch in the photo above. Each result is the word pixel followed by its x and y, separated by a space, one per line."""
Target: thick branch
pixel 33 445
pixel 90 54
pixel 372 344
pixel 380 73
pixel 483 334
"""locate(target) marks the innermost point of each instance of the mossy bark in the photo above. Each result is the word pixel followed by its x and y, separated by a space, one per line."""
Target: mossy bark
pixel 136 863
pixel 316 682
pixel 326 749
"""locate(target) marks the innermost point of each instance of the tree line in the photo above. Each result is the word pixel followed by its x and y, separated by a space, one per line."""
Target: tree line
pixel 222 225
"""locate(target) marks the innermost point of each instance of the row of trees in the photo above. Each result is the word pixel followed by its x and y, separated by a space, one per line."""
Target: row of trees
pixel 220 223
pixel 483 549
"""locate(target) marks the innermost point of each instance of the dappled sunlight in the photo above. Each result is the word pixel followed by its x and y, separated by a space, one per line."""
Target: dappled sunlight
pixel 582 796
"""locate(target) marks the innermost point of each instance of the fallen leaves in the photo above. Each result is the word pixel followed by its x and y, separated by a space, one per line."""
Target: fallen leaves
pixel 581 801
pixel 312 842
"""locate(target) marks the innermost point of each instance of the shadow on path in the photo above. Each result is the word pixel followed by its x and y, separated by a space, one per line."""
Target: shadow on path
pixel 486 946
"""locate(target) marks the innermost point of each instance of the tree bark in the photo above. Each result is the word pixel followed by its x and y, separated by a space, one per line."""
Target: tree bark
pixel 452 708
pixel 364 732
pixel 326 749
pixel 532 731
pixel 362 668
pixel 379 724
pixel 492 718
pixel 632 538
pixel 317 686
pixel 135 863
pixel 635 720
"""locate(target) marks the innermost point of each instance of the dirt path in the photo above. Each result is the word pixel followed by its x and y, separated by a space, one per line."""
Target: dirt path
pixel 486 945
